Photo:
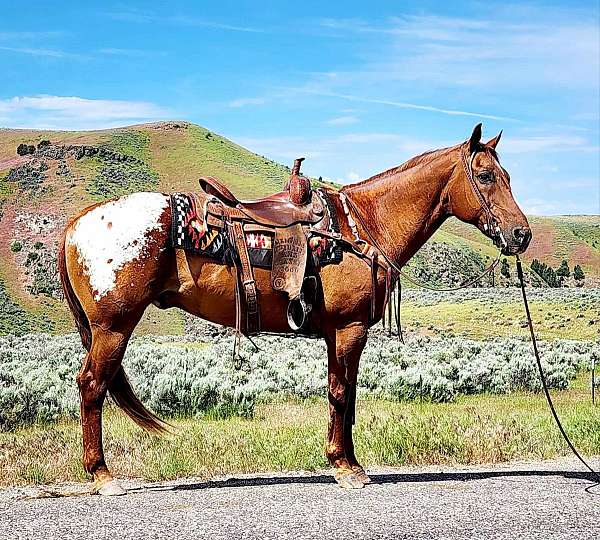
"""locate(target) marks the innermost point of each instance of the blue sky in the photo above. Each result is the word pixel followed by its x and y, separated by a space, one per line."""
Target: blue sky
pixel 356 87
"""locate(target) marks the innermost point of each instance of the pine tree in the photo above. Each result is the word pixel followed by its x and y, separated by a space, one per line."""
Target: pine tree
pixel 505 269
pixel 578 273
pixel 563 270
pixel 550 277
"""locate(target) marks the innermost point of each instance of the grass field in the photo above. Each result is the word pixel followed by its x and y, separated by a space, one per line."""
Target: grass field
pixel 291 436
pixel 489 313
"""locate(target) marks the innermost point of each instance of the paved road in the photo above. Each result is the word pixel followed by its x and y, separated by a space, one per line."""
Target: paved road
pixel 536 500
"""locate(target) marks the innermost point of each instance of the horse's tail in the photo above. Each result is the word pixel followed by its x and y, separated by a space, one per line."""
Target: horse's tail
pixel 81 320
pixel 123 395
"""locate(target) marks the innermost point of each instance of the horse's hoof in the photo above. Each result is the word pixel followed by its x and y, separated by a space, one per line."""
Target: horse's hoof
pixel 112 488
pixel 362 475
pixel 348 480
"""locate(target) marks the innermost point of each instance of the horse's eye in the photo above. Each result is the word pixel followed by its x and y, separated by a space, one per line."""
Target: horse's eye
pixel 485 177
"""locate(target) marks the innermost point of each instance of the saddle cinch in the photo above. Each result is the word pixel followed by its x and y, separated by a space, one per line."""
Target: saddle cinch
pixel 288 216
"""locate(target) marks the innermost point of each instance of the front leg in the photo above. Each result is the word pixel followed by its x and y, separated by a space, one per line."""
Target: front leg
pixel 344 347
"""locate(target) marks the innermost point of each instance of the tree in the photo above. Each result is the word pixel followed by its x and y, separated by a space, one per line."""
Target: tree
pixel 563 270
pixel 505 268
pixel 550 277
pixel 578 274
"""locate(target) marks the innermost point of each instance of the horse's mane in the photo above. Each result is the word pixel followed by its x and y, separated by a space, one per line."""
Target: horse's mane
pixel 421 159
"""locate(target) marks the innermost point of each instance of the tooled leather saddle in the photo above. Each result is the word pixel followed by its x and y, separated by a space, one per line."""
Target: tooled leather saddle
pixel 287 217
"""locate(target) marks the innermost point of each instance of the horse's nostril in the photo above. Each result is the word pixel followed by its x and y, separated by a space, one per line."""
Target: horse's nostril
pixel 522 235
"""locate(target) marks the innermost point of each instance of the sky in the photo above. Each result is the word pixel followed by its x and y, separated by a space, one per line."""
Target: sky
pixel 355 87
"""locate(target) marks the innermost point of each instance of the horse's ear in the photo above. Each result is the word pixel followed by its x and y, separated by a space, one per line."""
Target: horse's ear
pixel 494 142
pixel 475 140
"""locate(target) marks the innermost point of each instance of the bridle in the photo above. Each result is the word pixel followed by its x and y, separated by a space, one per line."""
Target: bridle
pixel 491 225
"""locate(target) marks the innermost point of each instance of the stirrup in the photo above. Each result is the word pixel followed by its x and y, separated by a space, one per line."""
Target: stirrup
pixel 297 311
pixel 298 308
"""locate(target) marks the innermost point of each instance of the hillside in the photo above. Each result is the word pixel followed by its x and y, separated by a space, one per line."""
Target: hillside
pixel 58 173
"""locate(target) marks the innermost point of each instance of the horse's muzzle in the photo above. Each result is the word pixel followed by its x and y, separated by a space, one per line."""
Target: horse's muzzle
pixel 518 241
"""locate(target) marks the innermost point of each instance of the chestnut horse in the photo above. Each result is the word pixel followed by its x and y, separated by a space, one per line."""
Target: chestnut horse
pixel 116 260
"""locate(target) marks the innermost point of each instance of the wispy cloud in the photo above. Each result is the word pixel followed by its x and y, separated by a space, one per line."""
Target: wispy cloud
pixel 342 120
pixel 244 102
pixel 70 112
pixel 547 143
pixel 17 35
pixel 363 153
pixel 549 207
pixel 551 48
pixel 401 104
pixel 134 53
pixel 50 53
pixel 179 20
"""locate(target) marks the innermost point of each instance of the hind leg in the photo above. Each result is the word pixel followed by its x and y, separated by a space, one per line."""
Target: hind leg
pixel 99 367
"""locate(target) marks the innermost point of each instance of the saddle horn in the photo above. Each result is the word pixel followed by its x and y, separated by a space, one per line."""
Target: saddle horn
pixel 297 165
pixel 298 186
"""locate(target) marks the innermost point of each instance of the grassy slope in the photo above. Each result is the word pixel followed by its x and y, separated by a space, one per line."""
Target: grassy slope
pixel 175 155
pixel 291 436
pixel 574 238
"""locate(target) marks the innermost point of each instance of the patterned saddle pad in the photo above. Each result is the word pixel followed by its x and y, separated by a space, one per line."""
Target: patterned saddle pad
pixel 189 232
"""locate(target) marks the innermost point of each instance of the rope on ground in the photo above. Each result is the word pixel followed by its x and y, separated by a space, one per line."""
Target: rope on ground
pixel 543 377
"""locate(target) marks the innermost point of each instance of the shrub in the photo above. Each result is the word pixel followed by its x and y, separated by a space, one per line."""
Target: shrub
pixel 175 377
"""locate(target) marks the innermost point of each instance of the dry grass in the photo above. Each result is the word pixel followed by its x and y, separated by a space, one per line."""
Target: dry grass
pixel 291 435
pixel 478 319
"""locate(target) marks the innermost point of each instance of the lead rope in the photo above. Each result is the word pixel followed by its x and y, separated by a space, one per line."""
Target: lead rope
pixel 543 377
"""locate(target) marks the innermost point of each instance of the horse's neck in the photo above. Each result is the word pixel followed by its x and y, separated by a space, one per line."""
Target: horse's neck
pixel 403 209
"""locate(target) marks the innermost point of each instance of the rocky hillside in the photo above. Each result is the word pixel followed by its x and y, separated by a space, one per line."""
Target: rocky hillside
pixel 46 176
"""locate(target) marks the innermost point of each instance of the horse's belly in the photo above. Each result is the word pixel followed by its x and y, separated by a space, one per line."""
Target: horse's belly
pixel 207 289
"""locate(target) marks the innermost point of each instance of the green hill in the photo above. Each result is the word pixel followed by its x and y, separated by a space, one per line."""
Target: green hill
pixel 57 173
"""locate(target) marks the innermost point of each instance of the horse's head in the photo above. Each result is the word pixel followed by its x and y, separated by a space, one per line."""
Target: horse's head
pixel 479 193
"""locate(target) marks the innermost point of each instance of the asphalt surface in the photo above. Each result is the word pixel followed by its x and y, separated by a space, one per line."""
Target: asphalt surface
pixel 527 500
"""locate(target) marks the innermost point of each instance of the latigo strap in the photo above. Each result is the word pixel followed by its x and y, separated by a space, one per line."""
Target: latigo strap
pixel 245 277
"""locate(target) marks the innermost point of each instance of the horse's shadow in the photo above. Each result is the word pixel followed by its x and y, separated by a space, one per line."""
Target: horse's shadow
pixel 393 478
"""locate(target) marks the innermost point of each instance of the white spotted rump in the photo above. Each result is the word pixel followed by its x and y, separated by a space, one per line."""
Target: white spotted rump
pixel 114 234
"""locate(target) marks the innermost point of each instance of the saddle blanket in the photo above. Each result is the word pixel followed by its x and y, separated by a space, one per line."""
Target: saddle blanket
pixel 189 232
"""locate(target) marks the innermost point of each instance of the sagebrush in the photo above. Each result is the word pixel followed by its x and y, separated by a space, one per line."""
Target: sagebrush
pixel 176 377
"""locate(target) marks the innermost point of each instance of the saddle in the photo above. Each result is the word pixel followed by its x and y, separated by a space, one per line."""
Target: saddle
pixel 297 203
pixel 288 216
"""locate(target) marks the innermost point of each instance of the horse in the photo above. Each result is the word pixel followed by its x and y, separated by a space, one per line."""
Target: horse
pixel 115 260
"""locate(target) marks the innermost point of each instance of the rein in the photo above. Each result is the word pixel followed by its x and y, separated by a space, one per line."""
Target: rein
pixel 490 268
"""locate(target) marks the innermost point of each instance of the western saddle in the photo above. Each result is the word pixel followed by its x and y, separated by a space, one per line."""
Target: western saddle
pixel 297 203
pixel 289 216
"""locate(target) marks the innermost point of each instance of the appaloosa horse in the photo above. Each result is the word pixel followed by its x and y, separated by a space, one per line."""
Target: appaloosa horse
pixel 116 260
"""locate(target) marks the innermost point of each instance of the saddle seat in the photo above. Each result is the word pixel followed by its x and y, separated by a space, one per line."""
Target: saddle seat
pixel 296 204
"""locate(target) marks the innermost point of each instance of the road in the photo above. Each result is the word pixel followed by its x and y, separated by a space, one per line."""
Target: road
pixel 525 500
